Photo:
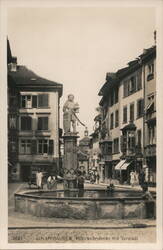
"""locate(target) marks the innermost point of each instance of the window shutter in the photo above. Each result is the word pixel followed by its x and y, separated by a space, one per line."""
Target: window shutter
pixel 34 101
pixel 34 147
pixel 43 100
pixel 139 80
pixel 51 146
pixel 122 144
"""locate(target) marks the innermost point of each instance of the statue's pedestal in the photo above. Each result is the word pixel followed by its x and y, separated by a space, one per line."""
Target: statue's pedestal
pixel 70 160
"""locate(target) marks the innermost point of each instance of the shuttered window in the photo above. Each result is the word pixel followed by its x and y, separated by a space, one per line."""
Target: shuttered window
pixel 34 101
pixel 116 118
pixel 43 100
pixel 25 146
pixel 140 108
pixel 45 146
pixel 111 121
pixel 26 123
pixel 125 114
pixel 132 112
pixel 42 123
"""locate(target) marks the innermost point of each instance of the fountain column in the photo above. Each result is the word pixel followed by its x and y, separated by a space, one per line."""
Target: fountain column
pixel 70 160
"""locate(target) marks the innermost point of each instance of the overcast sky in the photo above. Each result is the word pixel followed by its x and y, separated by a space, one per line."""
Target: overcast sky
pixel 78 46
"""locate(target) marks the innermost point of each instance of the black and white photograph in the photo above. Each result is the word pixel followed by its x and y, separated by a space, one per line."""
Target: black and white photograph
pixel 81 131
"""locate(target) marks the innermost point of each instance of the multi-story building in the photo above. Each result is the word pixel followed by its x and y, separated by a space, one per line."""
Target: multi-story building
pixel 12 117
pixel 148 59
pixel 128 119
pixel 110 131
pixel 37 122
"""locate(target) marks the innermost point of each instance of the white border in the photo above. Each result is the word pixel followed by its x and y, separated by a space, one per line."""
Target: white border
pixel 4 4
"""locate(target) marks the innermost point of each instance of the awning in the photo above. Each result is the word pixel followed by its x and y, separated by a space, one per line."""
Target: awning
pixel 125 165
pixel 119 165
pixel 149 106
pixel 10 164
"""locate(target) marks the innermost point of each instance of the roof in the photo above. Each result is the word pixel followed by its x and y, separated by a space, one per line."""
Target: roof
pixel 27 78
pixel 111 79
pixel 114 78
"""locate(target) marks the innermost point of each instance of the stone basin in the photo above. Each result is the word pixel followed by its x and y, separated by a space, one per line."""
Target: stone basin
pixel 85 204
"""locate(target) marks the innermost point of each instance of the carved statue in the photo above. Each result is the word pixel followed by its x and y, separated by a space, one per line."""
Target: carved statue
pixel 70 109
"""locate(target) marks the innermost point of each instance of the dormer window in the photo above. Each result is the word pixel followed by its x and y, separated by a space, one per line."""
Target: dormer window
pixel 150 74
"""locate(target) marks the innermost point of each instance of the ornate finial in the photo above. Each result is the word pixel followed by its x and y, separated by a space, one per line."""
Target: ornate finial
pixel 86 132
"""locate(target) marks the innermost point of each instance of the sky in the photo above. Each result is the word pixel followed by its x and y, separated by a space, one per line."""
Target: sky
pixel 77 46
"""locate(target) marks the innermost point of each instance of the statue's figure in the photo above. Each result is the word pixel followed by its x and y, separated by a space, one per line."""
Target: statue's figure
pixel 69 114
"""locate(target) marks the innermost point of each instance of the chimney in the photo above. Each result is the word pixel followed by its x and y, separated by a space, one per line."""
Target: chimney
pixel 13 64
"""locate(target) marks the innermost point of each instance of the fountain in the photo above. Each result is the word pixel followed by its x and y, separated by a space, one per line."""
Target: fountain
pixel 72 202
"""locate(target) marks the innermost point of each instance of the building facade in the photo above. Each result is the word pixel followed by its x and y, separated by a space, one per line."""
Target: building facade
pixel 37 123
pixel 128 120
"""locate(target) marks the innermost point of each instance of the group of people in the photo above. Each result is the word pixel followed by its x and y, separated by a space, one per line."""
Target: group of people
pixel 51 181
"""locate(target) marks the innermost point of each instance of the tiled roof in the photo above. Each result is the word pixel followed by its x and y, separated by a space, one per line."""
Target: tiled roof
pixel 25 77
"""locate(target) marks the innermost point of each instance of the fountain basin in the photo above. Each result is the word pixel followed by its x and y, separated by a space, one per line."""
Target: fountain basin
pixel 90 204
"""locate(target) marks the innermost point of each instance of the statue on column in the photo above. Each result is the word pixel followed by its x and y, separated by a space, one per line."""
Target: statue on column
pixel 70 109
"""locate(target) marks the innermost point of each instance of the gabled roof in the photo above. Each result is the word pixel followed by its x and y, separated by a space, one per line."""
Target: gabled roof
pixel 27 78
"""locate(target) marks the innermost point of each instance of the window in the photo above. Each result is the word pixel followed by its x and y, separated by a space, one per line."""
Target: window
pixel 125 114
pixel 26 123
pixel 25 146
pixel 26 101
pixel 125 88
pixel 45 146
pixel 131 142
pixel 34 101
pixel 150 75
pixel 116 95
pixel 140 108
pixel 116 118
pixel 42 123
pixel 116 145
pixel 152 134
pixel 43 100
pixel 139 80
pixel 132 112
pixel 139 137
pixel 111 121
pixel 132 84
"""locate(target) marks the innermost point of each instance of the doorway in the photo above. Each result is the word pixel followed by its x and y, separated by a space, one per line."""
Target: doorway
pixel 25 172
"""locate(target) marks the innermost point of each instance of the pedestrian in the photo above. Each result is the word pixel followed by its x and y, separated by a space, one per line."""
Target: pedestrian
pixel 132 178
pixel 39 176
pixel 97 178
pixel 52 182
pixel 81 185
pixel 142 182
pixel 81 182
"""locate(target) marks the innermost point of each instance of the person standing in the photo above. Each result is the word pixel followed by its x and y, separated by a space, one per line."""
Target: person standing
pixel 97 178
pixel 132 178
pixel 52 182
pixel 39 176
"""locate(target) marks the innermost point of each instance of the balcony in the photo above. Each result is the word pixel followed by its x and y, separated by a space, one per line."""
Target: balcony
pixel 150 150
